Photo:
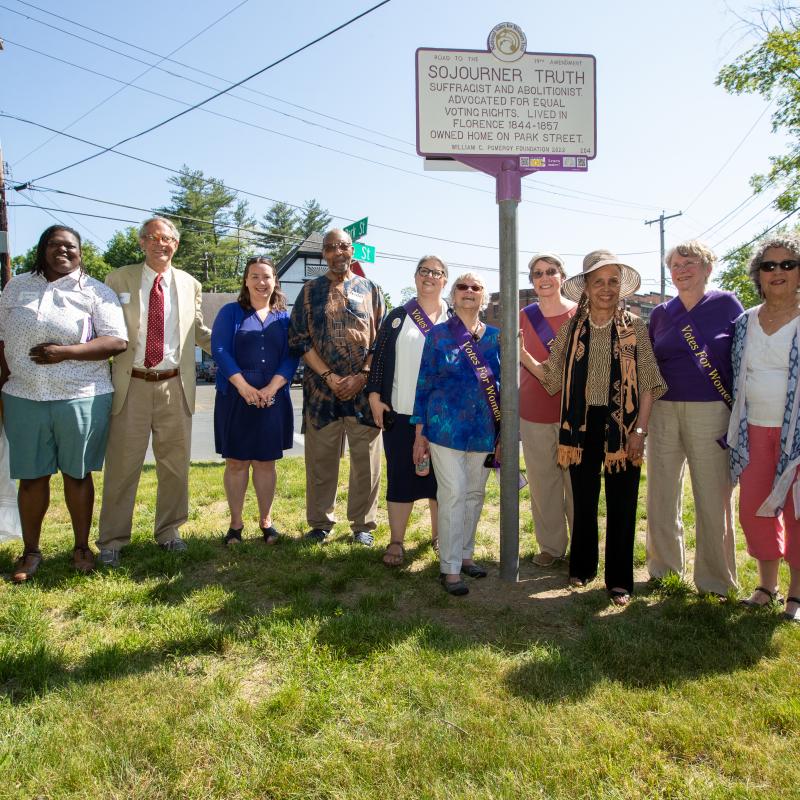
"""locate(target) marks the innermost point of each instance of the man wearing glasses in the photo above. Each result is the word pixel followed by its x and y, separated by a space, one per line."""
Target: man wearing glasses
pixel 335 320
pixel 154 391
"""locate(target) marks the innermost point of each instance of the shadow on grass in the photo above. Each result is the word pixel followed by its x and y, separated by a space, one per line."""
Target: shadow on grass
pixel 566 642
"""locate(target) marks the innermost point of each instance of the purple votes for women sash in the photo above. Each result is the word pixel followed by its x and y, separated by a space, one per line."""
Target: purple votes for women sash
pixel 418 316
pixel 715 370
pixel 540 324
pixel 483 372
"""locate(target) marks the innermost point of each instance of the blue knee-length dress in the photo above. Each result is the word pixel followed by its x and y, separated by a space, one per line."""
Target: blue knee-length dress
pixel 241 342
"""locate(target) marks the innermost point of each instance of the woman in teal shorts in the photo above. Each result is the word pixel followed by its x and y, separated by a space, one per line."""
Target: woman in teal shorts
pixel 58 328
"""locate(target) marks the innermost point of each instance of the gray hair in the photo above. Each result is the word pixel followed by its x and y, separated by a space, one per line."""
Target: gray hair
pixel 437 260
pixel 341 231
pixel 692 247
pixel 168 222
pixel 465 277
pixel 786 241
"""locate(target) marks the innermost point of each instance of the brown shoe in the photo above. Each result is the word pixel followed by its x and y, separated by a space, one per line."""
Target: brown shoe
pixel 544 559
pixel 26 565
pixel 83 559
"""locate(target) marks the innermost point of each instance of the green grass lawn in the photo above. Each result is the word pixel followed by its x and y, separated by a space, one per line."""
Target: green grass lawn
pixel 316 672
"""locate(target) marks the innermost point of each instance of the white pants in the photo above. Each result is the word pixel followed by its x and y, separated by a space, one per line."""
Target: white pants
pixel 462 478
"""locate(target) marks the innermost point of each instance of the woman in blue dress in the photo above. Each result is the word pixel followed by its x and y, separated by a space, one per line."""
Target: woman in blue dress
pixel 253 417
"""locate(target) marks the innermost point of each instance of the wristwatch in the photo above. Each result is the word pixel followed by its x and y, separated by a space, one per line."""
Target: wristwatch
pixel 640 431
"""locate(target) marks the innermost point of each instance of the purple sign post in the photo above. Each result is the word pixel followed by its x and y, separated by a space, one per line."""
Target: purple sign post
pixel 507 113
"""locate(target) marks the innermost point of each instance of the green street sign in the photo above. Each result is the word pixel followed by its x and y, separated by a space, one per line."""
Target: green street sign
pixel 363 252
pixel 358 229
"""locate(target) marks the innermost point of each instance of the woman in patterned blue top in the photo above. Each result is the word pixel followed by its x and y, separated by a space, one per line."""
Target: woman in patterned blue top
pixel 456 413
pixel 254 424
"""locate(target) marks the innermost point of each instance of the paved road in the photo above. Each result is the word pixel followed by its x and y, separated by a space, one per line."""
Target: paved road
pixel 203 426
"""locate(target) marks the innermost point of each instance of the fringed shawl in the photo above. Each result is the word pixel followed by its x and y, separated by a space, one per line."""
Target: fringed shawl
pixel 623 393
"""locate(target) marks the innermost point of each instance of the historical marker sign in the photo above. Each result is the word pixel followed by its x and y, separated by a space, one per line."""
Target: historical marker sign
pixel 540 108
pixel 358 229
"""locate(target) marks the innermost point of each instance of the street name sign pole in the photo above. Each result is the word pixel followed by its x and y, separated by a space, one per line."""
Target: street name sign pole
pixel 507 113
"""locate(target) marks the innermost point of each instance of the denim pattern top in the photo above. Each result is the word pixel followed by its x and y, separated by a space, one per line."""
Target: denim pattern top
pixel 449 403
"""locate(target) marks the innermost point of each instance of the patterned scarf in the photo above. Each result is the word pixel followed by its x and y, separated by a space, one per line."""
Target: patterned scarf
pixel 623 393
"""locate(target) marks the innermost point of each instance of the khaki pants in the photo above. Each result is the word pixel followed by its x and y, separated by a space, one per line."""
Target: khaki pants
pixel 324 447
pixel 680 433
pixel 158 408
pixel 550 487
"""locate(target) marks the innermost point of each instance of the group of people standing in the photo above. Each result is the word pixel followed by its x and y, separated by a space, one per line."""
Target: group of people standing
pixel 711 386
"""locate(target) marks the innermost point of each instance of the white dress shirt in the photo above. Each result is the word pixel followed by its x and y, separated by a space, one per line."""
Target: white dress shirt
pixel 172 342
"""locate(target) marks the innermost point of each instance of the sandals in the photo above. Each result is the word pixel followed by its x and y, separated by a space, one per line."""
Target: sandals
pixel 270 534
pixel 26 565
pixel 394 559
pixel 474 571
pixel 792 617
pixel 619 597
pixel 577 583
pixel 456 588
pixel 233 536
pixel 773 598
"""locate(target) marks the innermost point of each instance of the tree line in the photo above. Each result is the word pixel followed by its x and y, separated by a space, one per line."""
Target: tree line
pixel 219 232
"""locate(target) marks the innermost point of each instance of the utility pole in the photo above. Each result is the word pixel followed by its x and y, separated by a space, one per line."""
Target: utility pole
pixel 5 254
pixel 661 221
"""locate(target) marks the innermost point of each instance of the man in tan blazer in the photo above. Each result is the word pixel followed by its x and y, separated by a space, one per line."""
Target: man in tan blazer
pixel 154 391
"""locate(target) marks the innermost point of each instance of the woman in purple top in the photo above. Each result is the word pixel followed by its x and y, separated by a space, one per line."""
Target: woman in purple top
pixel 692 335
pixel 253 417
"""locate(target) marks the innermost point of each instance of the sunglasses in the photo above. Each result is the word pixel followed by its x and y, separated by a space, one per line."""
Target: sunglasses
pixel 771 266
pixel 537 273
pixel 463 287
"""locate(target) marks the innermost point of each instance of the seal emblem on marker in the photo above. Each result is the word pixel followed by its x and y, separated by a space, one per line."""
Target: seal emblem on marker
pixel 507 42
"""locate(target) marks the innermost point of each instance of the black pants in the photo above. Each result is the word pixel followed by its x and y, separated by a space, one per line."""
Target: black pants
pixel 622 495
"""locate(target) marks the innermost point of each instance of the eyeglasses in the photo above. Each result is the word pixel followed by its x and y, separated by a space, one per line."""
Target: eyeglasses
pixel 344 246
pixel 463 287
pixel 771 266
pixel 156 239
pixel 537 273
pixel 686 265
pixel 430 273
pixel 68 247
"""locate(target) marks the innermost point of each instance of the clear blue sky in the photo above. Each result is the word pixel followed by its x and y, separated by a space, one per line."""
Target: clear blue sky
pixel 664 129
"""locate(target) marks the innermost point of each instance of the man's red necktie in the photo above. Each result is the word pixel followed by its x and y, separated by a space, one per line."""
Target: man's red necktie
pixel 154 346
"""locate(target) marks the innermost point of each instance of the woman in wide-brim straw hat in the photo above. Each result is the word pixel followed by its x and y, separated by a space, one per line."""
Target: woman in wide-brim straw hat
pixel 603 363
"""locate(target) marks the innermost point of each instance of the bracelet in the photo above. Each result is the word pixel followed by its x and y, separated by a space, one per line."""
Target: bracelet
pixel 324 375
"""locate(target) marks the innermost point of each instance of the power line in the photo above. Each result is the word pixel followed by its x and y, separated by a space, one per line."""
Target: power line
pixel 763 233
pixel 324 147
pixel 602 198
pixel 217 94
pixel 730 157
pixel 746 222
pixel 132 80
pixel 194 69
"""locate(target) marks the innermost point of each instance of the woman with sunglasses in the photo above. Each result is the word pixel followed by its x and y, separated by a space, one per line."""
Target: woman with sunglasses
pixel 763 436
pixel 253 416
pixel 551 492
pixel 457 418
pixel 391 388
pixel 691 336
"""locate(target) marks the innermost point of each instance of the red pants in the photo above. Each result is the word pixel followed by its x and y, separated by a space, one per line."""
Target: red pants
pixel 768 538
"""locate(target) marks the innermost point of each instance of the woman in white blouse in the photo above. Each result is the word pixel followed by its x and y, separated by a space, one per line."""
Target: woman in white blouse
pixel 763 437
pixel 391 388
pixel 58 328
